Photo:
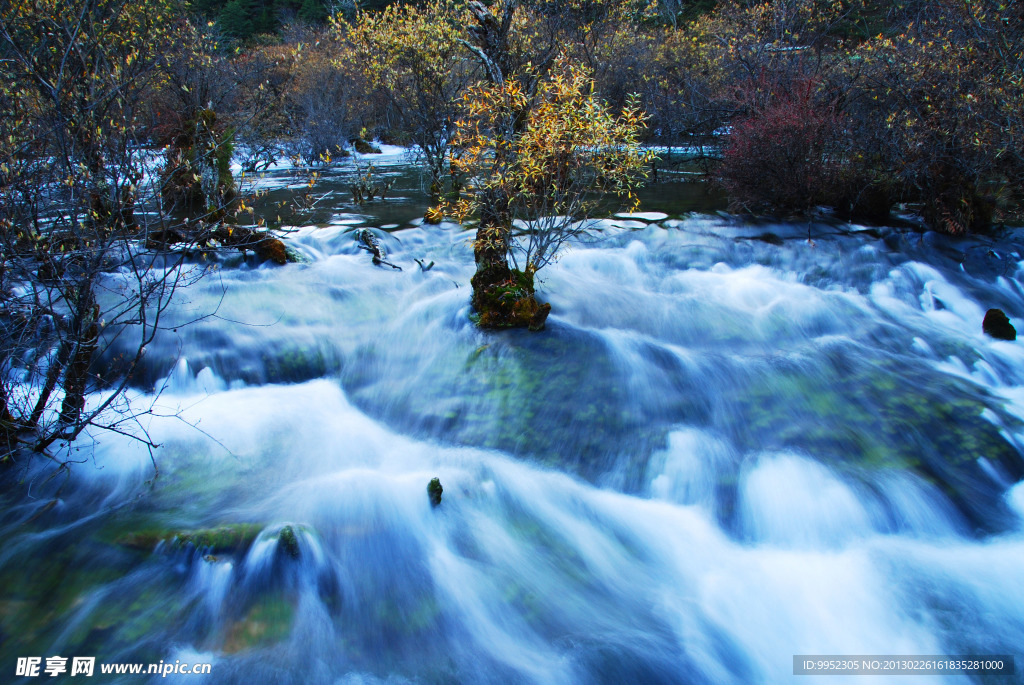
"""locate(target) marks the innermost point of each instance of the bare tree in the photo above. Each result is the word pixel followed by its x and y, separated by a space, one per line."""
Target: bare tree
pixel 79 195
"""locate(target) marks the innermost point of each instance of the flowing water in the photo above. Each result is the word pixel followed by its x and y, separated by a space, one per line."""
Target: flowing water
pixel 731 445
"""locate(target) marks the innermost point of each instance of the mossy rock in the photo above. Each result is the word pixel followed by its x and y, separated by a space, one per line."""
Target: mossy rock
pixel 861 415
pixel 434 491
pixel 296 257
pixel 365 148
pixel 267 622
pixel 224 539
pixel 508 303
pixel 558 398
pixel 288 543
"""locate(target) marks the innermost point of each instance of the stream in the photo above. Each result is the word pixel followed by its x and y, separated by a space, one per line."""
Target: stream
pixel 734 443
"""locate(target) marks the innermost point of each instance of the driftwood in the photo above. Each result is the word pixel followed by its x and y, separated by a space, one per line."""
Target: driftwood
pixel 369 242
pixel 366 191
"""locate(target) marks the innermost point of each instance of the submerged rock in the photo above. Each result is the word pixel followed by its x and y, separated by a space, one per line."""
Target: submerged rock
pixel 268 621
pixel 434 491
pixel 997 325
pixel 770 238
pixel 224 539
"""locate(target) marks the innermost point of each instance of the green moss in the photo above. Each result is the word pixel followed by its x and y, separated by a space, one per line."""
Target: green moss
pixel 295 363
pixel 434 491
pixel 509 303
pixel 231 539
pixel 365 148
pixel 399 620
pixel 888 413
pixel 222 160
pixel 288 542
pixel 268 621
pixel 558 398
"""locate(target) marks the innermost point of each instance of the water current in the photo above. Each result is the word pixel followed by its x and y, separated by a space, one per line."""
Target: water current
pixel 734 443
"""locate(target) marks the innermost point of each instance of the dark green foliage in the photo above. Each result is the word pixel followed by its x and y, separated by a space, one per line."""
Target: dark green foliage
pixel 313 12
pixel 243 19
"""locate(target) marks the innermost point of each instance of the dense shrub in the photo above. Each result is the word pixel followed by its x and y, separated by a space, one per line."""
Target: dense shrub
pixel 785 155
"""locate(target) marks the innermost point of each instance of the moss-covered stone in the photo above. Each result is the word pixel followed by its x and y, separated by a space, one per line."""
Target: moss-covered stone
pixel 267 622
pixel 559 398
pixel 434 491
pixel 884 413
pixel 224 539
pixel 509 302
pixel 288 543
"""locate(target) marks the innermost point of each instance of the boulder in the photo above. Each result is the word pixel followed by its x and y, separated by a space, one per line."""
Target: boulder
pixel 997 325
pixel 272 249
pixel 288 543
pixel 434 491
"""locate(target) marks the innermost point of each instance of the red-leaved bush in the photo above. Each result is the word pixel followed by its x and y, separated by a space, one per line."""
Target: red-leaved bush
pixel 785 155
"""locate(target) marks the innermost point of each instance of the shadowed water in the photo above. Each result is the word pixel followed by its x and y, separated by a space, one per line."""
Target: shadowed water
pixel 727 448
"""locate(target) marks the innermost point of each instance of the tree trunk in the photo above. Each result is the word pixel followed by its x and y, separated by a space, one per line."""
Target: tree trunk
pixel 502 297
pixel 76 377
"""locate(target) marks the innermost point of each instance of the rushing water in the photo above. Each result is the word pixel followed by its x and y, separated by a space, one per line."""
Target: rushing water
pixel 731 445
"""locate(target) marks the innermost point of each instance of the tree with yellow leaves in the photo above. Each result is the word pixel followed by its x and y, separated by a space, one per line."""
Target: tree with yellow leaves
pixel 538 147
pixel 412 56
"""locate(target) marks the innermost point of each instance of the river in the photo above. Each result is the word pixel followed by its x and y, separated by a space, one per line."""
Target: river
pixel 734 443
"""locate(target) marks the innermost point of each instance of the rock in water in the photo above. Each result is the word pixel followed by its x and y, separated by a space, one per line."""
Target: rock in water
pixel 997 325
pixel 272 249
pixel 434 491
pixel 288 542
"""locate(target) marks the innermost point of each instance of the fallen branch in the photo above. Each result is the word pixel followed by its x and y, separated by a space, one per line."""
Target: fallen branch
pixel 368 242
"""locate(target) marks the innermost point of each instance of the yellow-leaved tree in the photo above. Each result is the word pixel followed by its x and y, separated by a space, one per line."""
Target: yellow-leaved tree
pixel 412 57
pixel 536 165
